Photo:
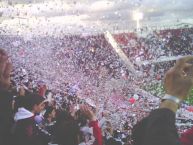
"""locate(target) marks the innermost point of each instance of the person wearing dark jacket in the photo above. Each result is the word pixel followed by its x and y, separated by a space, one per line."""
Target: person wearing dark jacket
pixel 48 122
pixel 6 99
pixel 6 113
pixel 25 130
pixel 159 127
pixel 67 130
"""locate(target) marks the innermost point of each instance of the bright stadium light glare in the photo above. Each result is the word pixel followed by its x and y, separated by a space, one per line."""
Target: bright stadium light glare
pixel 137 16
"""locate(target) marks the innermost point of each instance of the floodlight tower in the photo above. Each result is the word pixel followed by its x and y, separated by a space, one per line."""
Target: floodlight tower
pixel 137 16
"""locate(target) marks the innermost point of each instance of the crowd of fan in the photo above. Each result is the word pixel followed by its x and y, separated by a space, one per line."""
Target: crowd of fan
pixel 116 116
pixel 71 71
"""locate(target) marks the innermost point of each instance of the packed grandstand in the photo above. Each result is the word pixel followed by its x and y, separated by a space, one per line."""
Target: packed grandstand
pixel 86 69
pixel 117 74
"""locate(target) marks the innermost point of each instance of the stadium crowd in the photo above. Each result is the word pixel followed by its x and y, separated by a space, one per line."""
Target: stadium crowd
pixel 73 81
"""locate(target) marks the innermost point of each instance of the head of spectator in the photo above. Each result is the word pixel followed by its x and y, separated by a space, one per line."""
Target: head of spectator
pixel 32 102
pixel 50 114
pixel 80 118
pixel 66 130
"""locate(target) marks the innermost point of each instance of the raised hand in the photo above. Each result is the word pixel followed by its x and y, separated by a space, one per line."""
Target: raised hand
pixel 21 91
pixel 179 79
pixel 88 113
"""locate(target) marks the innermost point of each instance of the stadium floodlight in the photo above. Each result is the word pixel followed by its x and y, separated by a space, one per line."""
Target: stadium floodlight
pixel 137 16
